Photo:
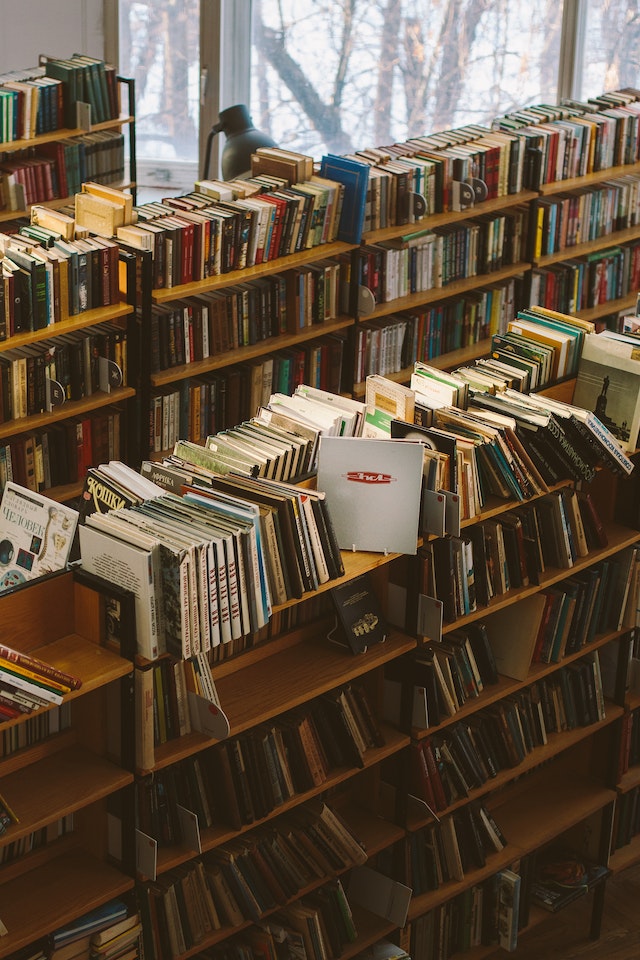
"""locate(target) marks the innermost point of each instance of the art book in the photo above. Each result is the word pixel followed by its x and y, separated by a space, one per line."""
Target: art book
pixel 373 490
pixel 608 383
pixel 36 535
pixel 359 619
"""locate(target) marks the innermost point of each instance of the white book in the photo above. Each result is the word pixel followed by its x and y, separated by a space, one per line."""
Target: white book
pixel 36 534
pixel 128 566
pixel 373 490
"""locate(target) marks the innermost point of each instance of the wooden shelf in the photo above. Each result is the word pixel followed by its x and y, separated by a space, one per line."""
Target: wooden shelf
pixel 454 289
pixel 589 246
pixel 293 676
pixel 557 743
pixel 507 686
pixel 530 813
pixel 241 354
pixel 374 832
pixel 62 133
pixel 619 538
pixel 589 179
pixel 626 856
pixel 291 262
pixel 70 408
pixel 49 897
pixel 453 216
pixel 80 321
pixel 74 778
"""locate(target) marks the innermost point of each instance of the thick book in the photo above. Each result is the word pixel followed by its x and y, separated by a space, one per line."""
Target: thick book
pixel 355 177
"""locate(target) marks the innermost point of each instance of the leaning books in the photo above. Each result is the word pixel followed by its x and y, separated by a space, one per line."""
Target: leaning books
pixel 36 535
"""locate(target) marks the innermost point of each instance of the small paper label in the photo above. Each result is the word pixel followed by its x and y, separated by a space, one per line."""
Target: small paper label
pixel 190 827
pixel 146 856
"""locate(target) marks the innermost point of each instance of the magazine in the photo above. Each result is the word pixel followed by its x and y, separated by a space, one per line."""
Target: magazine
pixel 36 535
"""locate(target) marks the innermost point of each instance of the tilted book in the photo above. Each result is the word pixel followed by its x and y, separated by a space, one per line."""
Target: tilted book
pixel 36 535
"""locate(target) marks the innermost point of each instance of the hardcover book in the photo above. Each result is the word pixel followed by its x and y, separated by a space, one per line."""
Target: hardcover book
pixel 36 535
pixel 359 620
pixel 355 177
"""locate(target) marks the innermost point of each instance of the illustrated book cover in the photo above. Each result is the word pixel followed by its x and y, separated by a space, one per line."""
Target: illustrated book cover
pixel 36 535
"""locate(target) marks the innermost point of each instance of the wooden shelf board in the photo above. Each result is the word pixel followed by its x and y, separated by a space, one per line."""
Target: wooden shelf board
pixel 453 289
pixel 74 778
pixel 62 133
pixel 506 686
pixel 241 354
pixel 374 832
pixel 629 780
pixel 291 262
pixel 557 744
pixel 589 179
pixel 626 856
pixel 80 321
pixel 454 216
pixel 35 903
pixel 529 818
pixel 71 408
pixel 619 537
pixel 277 684
pixel 589 246
pixel 610 306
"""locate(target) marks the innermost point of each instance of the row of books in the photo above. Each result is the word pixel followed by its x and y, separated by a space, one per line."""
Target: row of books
pixel 626 819
pixel 195 236
pixel 43 98
pixel 205 326
pixel 486 914
pixel 579 284
pixel 579 137
pixel 73 366
pixel 60 455
pixel 629 742
pixel 46 279
pixel 199 407
pixel 34 729
pixel 433 259
pixel 279 443
pixel 450 765
pixel 449 848
pixel 85 80
pixel 390 344
pixel 559 223
pixel 296 753
pixel 221 557
pixel 27 683
pixel 16 849
pixel 57 170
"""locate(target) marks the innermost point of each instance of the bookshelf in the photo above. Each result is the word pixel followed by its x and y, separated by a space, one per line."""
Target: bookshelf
pixel 107 157
pixel 49 443
pixel 67 770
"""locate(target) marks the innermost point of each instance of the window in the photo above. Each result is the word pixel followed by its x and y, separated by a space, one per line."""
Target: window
pixel 341 74
pixel 611 54
pixel 160 48
pixel 337 75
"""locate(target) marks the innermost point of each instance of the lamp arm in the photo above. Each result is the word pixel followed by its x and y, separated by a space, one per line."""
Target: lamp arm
pixel 215 129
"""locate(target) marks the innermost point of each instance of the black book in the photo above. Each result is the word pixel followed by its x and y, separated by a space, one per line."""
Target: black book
pixel 465 754
pixel 445 574
pixel 240 778
pixel 359 620
pixel 482 651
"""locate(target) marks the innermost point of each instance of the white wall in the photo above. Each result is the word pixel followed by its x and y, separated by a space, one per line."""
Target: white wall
pixel 54 27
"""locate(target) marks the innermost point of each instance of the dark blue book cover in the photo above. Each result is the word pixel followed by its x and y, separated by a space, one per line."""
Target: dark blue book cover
pixel 355 177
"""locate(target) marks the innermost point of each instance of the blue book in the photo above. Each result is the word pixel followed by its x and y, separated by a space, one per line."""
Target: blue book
pixel 355 177
pixel 98 919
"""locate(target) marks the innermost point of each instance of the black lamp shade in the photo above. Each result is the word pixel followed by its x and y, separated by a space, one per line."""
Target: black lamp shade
pixel 242 140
